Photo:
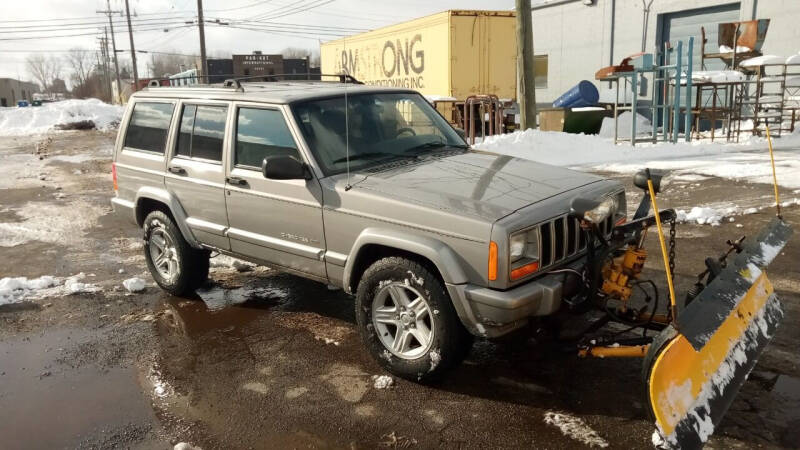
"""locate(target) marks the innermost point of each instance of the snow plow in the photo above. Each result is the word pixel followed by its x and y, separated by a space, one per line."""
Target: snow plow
pixel 703 349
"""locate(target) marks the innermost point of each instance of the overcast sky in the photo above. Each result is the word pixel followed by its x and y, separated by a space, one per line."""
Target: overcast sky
pixel 52 25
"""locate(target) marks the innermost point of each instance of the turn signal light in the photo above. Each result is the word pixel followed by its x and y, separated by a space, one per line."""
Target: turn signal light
pixel 492 261
pixel 525 270
pixel 114 175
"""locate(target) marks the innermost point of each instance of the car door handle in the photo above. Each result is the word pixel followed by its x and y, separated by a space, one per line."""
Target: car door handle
pixel 236 181
pixel 177 170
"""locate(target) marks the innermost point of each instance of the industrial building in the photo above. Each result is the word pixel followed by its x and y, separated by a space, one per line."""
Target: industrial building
pixel 257 64
pixel 13 90
pixel 219 69
pixel 578 37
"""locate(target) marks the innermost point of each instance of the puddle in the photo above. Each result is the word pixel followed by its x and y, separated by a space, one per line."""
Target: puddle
pixel 785 412
pixel 47 405
pixel 218 297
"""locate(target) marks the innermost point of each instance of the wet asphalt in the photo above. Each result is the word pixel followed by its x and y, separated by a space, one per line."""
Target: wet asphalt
pixel 260 359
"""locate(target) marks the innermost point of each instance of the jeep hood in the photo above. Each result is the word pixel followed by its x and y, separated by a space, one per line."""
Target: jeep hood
pixel 482 184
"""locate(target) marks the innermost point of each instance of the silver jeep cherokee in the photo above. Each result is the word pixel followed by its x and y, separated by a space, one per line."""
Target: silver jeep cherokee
pixel 366 188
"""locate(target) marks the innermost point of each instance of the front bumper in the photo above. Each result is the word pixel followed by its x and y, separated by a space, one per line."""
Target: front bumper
pixel 491 313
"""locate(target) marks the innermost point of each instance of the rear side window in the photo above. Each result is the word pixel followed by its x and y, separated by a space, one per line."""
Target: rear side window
pixel 202 132
pixel 261 133
pixel 148 127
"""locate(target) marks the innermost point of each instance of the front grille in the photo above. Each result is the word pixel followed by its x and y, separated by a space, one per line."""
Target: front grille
pixel 561 238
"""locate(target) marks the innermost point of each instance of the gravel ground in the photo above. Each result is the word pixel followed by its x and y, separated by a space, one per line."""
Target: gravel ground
pixel 260 359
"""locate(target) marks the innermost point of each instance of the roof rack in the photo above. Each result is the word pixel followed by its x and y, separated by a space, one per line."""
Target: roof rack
pixel 236 82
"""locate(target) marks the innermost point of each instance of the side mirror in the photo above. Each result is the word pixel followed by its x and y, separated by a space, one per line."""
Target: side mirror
pixel 284 167
pixel 640 180
pixel 461 133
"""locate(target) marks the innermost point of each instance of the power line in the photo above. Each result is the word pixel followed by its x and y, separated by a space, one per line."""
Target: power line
pixel 33 38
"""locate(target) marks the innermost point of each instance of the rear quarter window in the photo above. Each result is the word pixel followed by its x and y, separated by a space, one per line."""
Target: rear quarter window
pixel 148 127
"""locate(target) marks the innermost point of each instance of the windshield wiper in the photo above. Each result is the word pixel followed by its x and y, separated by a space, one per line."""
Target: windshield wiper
pixel 367 155
pixel 431 145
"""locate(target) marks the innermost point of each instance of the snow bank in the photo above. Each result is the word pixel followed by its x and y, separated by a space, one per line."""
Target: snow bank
pixel 35 120
pixel 748 161
pixel 643 126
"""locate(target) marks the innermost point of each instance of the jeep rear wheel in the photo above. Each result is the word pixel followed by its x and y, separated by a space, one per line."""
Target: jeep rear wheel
pixel 407 320
pixel 177 267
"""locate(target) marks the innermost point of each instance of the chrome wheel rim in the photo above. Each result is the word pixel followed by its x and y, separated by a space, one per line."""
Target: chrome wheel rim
pixel 403 320
pixel 163 254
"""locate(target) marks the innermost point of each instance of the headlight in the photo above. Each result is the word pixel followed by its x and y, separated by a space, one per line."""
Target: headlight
pixel 601 211
pixel 516 246
pixel 523 252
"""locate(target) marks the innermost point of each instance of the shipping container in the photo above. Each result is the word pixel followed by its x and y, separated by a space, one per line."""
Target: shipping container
pixel 452 54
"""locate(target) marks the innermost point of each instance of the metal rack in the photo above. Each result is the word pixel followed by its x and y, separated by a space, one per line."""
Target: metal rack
pixel 761 99
pixel 663 75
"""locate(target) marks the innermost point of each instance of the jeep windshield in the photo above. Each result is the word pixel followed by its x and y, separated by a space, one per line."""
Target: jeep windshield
pixel 377 128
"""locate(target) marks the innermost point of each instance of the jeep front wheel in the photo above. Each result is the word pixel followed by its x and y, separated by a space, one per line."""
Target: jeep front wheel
pixel 407 320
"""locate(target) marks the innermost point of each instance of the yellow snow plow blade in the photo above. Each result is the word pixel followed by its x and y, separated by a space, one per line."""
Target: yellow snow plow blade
pixel 695 369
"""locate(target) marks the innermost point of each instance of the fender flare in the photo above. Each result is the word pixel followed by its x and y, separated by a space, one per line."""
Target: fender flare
pixel 175 208
pixel 440 254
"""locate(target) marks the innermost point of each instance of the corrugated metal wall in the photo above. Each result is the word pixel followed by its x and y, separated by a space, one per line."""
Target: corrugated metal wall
pixel 679 26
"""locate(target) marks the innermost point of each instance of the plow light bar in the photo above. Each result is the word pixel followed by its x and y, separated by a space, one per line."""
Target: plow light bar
pixel 601 212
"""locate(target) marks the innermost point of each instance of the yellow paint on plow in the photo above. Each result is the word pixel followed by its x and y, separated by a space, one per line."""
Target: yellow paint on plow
pixel 679 372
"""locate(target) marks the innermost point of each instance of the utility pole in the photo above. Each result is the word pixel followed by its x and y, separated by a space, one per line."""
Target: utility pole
pixel 105 64
pixel 108 12
pixel 525 75
pixel 133 49
pixel 200 24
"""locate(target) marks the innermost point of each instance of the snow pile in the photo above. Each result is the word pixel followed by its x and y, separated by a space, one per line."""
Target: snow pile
pixel 714 76
pixel 382 381
pixel 739 49
pixel 575 428
pixel 762 60
pixel 643 126
pixel 134 284
pixel 40 119
pixel 185 446
pixel 700 215
pixel 74 285
pixel 17 289
pixel 748 161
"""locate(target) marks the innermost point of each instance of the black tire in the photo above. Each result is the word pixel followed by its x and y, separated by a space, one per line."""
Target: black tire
pixel 192 264
pixel 450 342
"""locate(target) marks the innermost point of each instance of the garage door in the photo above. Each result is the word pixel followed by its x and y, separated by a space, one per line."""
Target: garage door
pixel 679 26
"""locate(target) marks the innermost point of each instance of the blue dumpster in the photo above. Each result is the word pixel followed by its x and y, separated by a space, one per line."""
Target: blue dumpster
pixel 582 94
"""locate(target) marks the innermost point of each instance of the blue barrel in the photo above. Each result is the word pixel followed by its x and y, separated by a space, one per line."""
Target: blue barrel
pixel 582 94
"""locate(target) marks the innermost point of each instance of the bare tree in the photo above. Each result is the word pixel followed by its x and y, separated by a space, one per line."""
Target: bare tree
pixel 295 52
pixel 301 53
pixel 44 69
pixel 80 61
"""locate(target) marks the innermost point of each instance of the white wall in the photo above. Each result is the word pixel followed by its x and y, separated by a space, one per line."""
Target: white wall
pixel 783 36
pixel 576 37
